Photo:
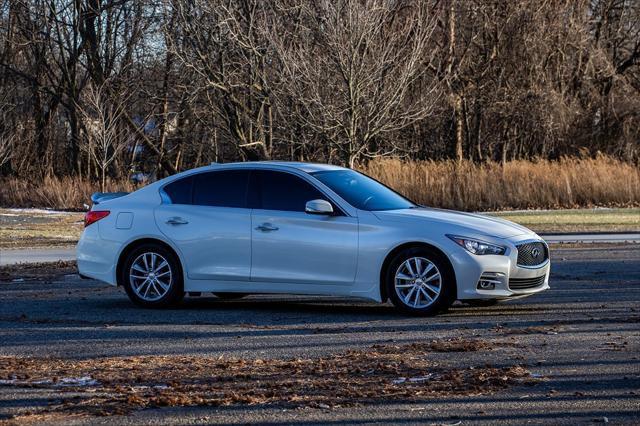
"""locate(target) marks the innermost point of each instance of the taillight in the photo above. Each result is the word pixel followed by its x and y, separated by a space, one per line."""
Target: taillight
pixel 94 216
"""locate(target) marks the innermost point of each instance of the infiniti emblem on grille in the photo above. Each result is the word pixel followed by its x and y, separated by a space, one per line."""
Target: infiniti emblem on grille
pixel 535 252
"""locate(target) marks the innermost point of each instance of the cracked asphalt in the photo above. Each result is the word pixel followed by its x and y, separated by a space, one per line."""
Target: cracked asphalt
pixel 580 340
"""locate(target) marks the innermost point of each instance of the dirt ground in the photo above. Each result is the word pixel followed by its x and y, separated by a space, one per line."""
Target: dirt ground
pixel 34 228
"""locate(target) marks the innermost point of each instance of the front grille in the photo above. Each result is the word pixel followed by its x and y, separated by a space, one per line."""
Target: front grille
pixel 532 254
pixel 524 283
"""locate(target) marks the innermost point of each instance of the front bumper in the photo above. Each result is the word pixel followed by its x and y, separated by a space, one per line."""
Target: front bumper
pixel 509 279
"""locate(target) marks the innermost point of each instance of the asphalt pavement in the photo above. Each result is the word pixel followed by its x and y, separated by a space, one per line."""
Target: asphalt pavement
pixel 581 340
pixel 36 255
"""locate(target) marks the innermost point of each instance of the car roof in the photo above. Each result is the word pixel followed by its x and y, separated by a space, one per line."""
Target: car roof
pixel 304 167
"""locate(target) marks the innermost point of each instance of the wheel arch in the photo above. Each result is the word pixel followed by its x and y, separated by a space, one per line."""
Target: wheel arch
pixel 414 244
pixel 132 245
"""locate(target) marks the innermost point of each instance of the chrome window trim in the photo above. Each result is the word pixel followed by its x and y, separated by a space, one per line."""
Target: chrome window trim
pixel 292 171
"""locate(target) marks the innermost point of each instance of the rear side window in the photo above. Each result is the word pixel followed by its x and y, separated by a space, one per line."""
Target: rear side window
pixel 221 189
pixel 179 191
pixel 283 191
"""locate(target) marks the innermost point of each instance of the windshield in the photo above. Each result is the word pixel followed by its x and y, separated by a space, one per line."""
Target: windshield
pixel 361 191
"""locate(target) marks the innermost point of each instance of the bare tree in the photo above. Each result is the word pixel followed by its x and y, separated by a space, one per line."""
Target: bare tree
pixel 7 136
pixel 359 69
pixel 222 47
pixel 6 147
pixel 106 135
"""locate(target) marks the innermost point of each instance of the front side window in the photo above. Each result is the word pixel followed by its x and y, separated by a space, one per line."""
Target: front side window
pixel 221 189
pixel 361 191
pixel 283 191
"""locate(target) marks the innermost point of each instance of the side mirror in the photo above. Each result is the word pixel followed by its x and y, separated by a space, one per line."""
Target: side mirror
pixel 318 207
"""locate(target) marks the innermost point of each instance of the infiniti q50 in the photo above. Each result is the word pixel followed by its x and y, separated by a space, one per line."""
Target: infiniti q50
pixel 299 228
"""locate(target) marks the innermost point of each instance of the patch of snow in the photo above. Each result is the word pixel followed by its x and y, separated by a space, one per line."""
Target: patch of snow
pixel 65 381
pixel 38 211
pixel 418 379
pixel 77 381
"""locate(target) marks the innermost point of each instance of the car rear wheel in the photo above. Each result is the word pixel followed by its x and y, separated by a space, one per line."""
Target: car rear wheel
pixel 420 282
pixel 152 277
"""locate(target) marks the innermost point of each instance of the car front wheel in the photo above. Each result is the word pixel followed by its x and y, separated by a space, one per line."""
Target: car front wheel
pixel 152 277
pixel 420 282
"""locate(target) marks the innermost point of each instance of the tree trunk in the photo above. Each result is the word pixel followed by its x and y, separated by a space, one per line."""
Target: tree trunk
pixel 460 127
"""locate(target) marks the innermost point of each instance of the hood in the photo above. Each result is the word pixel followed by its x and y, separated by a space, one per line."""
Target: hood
pixel 487 225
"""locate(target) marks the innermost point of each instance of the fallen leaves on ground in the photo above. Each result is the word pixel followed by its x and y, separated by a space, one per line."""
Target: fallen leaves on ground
pixel 118 385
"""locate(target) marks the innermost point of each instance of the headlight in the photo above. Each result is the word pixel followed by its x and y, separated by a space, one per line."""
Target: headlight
pixel 477 247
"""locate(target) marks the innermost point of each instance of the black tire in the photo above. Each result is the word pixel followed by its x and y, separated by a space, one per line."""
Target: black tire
pixel 447 294
pixel 176 286
pixel 230 296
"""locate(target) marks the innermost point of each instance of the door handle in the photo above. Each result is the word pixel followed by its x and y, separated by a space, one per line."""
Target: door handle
pixel 266 227
pixel 176 221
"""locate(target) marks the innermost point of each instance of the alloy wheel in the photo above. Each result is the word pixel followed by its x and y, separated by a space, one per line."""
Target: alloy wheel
pixel 150 276
pixel 418 282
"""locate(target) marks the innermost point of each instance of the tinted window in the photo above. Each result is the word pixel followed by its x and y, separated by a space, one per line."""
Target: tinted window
pixel 221 189
pixel 361 191
pixel 283 191
pixel 179 191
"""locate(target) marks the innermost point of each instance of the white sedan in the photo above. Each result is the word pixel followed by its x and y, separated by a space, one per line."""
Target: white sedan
pixel 299 228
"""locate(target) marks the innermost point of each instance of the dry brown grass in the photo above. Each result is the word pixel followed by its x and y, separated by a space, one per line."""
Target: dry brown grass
pixel 567 183
pixel 67 193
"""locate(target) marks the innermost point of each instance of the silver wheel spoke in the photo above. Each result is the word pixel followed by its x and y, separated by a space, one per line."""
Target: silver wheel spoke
pixel 410 268
pixel 138 268
pixel 401 276
pixel 155 289
pixel 162 265
pixel 423 291
pixel 164 286
pixel 433 288
pixel 139 286
pixel 408 295
pixel 427 270
pixel 432 277
pixel 148 287
pixel 418 263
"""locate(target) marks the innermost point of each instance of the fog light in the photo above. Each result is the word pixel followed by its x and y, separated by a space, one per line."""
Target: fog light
pixel 486 285
pixel 489 280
